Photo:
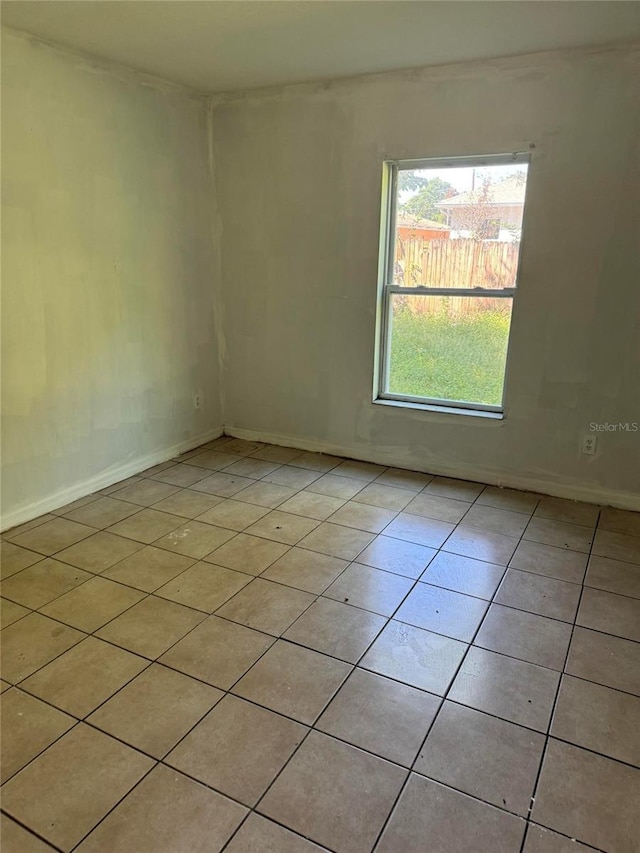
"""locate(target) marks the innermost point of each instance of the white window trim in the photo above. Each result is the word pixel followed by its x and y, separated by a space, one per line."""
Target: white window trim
pixel 386 287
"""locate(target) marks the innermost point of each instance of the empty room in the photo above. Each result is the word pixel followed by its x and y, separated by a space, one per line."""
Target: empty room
pixel 320 508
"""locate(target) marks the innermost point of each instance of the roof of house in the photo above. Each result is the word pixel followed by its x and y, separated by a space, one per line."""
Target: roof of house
pixel 509 191
pixel 407 220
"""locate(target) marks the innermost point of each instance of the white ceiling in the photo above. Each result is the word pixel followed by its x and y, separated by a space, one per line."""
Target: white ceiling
pixel 226 45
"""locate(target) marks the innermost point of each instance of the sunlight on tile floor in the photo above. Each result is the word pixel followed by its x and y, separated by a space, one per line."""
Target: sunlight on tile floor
pixel 255 648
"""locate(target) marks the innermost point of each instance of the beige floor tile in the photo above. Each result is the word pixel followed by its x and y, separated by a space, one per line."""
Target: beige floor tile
pixel 156 709
pixel 317 461
pixel 293 681
pixel 398 556
pixel 613 576
pixel 442 611
pixel 181 475
pixel 195 539
pixel 386 497
pixel 361 516
pixel 542 840
pixel 233 515
pixel 282 527
pixel 147 525
pixel 238 748
pixel 28 727
pixel 525 636
pixel 167 812
pixel 347 815
pixel 357 470
pixel 92 604
pixel 427 809
pixel 439 508
pixel 99 552
pixel 483 756
pixel 461 490
pixel 306 570
pixel 42 582
pixel 270 495
pixel 573 512
pixel 218 652
pixel 508 499
pixel 414 481
pixel 223 485
pixel 4 685
pixel 204 586
pixel 31 643
pixel 251 467
pixel 188 503
pixel 588 797
pixel 610 613
pixel 149 568
pixel 53 536
pixel 15 839
pixel 489 547
pixel 13 558
pixel 415 657
pixel 274 453
pixel 619 521
pixel 259 835
pixel 249 554
pixel 538 594
pixel 10 612
pixel 122 484
pixel 242 447
pixel 463 574
pixel 336 629
pixel 419 530
pixel 336 541
pixel 618 546
pixel 214 460
pixel 70 787
pixel 103 512
pixel 11 534
pixel 311 505
pixel 381 716
pixel 343 488
pixel 84 677
pixel 266 606
pixel 511 689
pixel 151 627
pixel 598 718
pixel 369 588
pixel 549 561
pixel 604 659
pixel 493 520
pixel 561 534
pixel 145 492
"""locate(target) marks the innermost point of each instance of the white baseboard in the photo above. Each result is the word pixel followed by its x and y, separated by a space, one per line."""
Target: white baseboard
pixel 571 490
pixel 102 480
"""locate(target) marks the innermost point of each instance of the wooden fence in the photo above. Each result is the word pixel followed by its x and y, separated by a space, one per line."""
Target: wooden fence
pixel 454 263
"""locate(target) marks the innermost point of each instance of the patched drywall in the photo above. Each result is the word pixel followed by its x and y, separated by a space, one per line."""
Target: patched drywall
pixel 298 177
pixel 108 303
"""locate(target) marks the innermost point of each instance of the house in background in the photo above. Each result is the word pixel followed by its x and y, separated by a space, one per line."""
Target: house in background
pixel 411 227
pixel 490 212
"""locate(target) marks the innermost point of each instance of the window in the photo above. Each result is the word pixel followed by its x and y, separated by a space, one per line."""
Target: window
pixel 451 231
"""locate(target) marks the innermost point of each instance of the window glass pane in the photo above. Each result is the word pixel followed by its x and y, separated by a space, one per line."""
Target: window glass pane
pixel 448 347
pixel 459 226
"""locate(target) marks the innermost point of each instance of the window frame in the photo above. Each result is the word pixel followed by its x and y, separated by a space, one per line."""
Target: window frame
pixel 386 288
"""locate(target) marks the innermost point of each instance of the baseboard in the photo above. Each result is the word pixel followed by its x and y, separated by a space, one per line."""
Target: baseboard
pixel 572 491
pixel 102 480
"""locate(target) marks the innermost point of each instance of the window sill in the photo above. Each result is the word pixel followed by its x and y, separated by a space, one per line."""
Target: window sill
pixel 445 410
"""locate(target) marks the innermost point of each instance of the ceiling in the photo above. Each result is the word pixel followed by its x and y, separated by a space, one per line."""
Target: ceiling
pixel 227 45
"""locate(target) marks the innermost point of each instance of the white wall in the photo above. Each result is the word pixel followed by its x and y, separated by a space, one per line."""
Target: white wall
pixel 298 175
pixel 108 315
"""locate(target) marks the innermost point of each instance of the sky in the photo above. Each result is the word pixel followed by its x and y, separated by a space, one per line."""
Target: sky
pixel 461 178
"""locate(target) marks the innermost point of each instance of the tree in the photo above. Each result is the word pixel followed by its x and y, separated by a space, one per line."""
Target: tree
pixel 425 202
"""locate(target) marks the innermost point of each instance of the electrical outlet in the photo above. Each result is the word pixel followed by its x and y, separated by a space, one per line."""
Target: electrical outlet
pixel 589 443
pixel 197 401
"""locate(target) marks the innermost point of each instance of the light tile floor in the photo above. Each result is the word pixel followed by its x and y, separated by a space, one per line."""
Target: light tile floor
pixel 253 648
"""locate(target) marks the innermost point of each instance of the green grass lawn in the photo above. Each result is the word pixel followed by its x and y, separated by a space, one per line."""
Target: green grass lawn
pixel 449 358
